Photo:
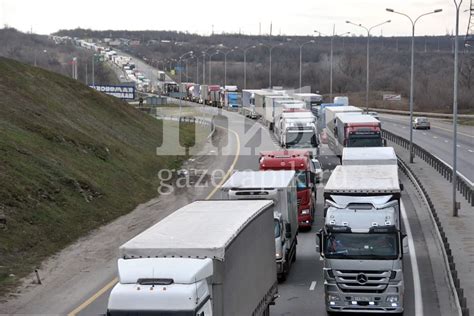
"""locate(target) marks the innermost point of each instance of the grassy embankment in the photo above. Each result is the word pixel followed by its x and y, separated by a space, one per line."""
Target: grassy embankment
pixel 71 160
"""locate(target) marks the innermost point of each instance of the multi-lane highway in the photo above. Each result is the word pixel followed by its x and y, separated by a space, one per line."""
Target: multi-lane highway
pixel 438 140
pixel 303 292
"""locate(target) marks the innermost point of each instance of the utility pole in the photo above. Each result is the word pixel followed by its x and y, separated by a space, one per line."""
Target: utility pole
pixel 93 71
pixel 455 108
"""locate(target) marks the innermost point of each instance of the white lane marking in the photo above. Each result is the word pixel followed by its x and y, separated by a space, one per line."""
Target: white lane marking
pixel 445 140
pixel 404 127
pixel 424 133
pixel 470 151
pixel 435 137
pixel 312 286
pixel 459 146
pixel 414 264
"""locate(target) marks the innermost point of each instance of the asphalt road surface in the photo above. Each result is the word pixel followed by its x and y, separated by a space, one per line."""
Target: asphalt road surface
pixel 303 292
pixel 438 140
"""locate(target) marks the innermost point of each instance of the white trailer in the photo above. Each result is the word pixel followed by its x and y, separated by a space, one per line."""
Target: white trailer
pixel 279 186
pixel 297 129
pixel 207 258
pixel 369 156
pixel 312 101
pixel 248 103
pixel 270 105
pixel 281 106
pixel 260 100
pixel 332 111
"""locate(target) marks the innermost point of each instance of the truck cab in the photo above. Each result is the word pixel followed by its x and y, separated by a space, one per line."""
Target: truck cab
pixel 306 181
pixel 160 284
pixel 362 247
pixel 362 242
pixel 297 129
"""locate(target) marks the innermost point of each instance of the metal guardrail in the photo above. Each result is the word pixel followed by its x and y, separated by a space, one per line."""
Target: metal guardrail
pixel 447 253
pixel 464 186
pixel 191 120
pixel 427 114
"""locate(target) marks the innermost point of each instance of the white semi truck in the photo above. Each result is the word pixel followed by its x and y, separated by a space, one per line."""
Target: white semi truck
pixel 362 242
pixel 280 187
pixel 297 129
pixel 207 258
pixel 369 156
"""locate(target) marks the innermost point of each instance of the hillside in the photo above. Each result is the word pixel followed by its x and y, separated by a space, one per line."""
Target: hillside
pixel 44 52
pixel 71 159
pixel 389 63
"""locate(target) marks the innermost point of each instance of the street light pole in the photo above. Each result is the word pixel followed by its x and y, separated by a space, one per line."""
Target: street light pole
pixel 245 64
pixel 455 107
pixel 210 65
pixel 225 64
pixel 270 48
pixel 301 58
pixel 368 58
pixel 412 70
pixel 331 56
pixel 179 63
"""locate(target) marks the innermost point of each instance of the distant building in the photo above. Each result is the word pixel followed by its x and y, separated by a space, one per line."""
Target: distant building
pixel 134 43
pixel 115 43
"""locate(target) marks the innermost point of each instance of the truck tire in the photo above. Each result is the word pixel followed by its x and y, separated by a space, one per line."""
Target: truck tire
pixel 294 256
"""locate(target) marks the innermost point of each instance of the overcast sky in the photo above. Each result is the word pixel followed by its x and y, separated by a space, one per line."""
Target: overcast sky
pixel 297 17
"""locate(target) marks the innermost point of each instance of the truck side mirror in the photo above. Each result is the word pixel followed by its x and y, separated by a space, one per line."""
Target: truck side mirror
pixel 405 244
pixel 287 230
pixel 319 242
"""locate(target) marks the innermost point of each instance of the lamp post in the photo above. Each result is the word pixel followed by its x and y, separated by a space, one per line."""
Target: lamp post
pixel 270 48
pixel 245 64
pixel 457 3
pixel 301 57
pixel 225 64
pixel 204 53
pixel 331 57
pixel 210 65
pixel 179 63
pixel 368 57
pixel 413 24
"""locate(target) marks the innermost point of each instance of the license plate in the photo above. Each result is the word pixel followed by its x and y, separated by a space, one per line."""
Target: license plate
pixel 361 299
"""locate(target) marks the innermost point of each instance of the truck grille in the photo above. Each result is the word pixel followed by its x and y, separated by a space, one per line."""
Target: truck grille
pixel 298 202
pixel 362 281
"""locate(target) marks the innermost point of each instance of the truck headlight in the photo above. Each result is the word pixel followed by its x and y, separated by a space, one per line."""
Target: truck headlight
pixel 392 298
pixel 333 298
pixel 305 212
pixel 278 255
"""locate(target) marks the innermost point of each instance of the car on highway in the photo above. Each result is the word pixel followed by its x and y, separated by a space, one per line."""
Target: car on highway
pixel 374 114
pixel 421 122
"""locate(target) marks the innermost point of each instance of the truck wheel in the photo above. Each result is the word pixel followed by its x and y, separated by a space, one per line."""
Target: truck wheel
pixel 294 256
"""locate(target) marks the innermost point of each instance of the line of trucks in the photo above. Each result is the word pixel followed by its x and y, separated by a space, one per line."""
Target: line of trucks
pixel 226 256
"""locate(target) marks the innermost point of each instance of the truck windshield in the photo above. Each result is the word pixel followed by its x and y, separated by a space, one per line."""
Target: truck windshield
pixel 277 228
pixel 361 246
pixel 300 139
pixel 365 141
pixel 301 180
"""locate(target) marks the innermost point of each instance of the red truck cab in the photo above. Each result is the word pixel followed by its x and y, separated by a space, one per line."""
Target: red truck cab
pixel 300 161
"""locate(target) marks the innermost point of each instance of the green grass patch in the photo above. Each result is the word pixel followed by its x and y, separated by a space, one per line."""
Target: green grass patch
pixel 71 160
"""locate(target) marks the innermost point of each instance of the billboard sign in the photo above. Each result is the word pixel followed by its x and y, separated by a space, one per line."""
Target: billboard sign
pixel 121 92
pixel 392 97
